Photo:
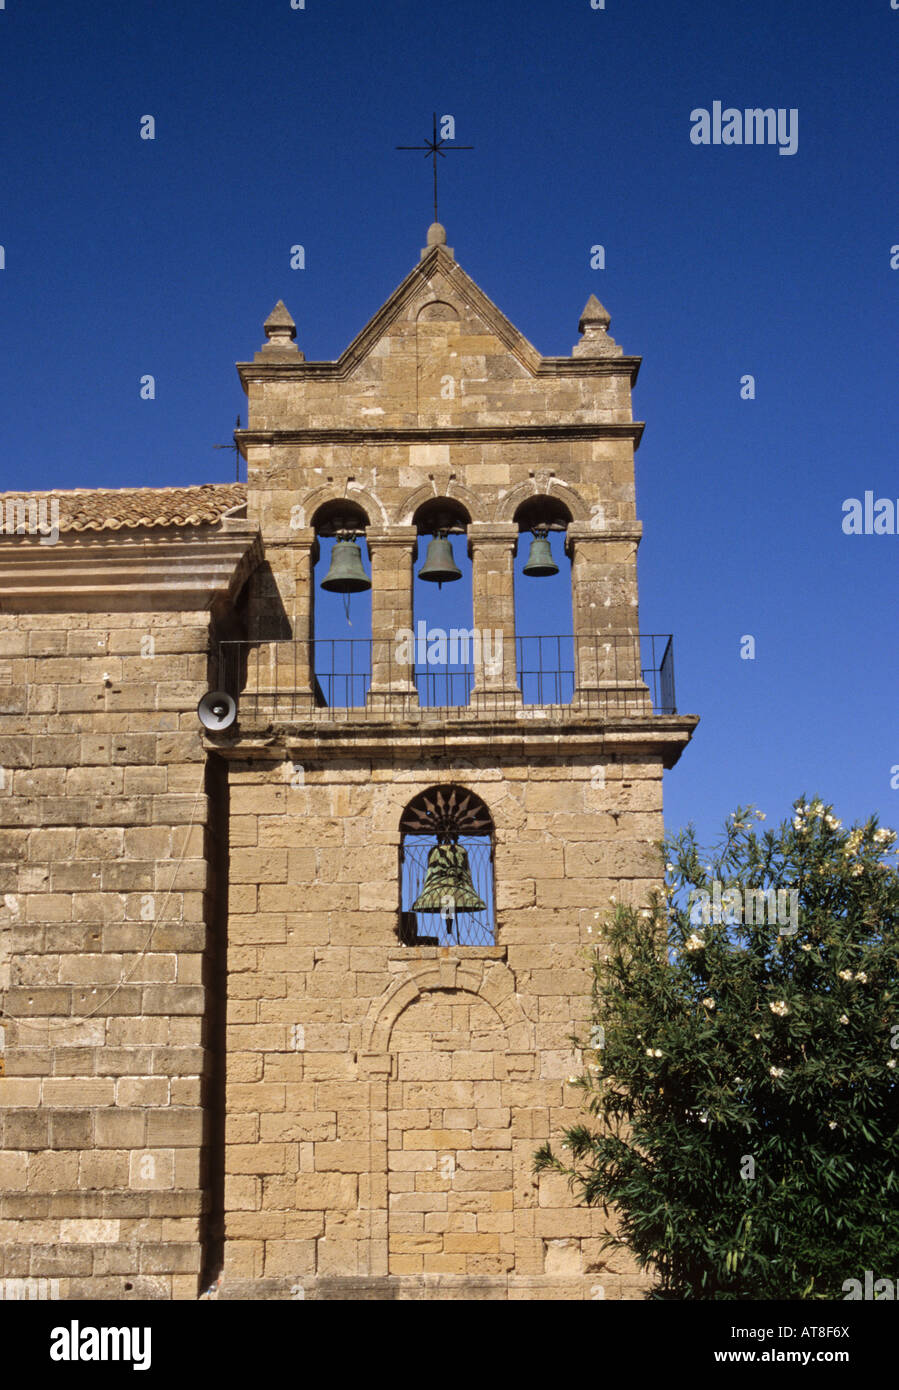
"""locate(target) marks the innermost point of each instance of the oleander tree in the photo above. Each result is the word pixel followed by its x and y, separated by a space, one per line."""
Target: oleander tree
pixel 740 1079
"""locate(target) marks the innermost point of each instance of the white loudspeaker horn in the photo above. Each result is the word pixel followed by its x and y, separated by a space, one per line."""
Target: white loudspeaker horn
pixel 217 710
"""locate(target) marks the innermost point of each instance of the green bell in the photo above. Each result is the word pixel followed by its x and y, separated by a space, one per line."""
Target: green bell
pixel 448 888
pixel 346 575
pixel 540 561
pixel 439 565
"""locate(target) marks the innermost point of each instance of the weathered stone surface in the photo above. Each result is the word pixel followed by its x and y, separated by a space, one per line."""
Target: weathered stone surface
pixel 372 1129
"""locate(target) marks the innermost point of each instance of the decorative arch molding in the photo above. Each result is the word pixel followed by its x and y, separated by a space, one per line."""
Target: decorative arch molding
pixel 437 311
pixel 430 492
pixel 507 506
pixel 490 980
pixel 435 289
pixel 377 512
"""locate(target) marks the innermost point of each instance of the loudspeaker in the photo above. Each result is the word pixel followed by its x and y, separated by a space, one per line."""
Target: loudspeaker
pixel 217 710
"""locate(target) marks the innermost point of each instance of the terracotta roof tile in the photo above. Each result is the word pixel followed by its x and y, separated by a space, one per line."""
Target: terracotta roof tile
pixel 115 509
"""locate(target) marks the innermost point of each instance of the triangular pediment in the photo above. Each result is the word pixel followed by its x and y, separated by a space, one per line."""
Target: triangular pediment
pixel 438 291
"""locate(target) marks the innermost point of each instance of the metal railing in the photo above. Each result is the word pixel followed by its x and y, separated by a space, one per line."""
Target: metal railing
pixel 331 678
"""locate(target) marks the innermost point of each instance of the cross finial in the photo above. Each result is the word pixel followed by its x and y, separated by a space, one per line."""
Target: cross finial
pixel 433 148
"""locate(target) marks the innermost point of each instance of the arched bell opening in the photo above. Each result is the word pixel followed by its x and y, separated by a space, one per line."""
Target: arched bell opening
pixel 543 602
pixel 442 604
pixel 341 605
pixel 447 892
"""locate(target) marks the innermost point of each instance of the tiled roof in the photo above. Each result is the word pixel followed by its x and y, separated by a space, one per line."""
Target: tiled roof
pixel 114 509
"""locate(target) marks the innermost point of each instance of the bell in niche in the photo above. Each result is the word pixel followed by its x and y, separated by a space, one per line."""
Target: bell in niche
pixel 439 566
pixel 345 574
pixel 540 561
pixel 448 888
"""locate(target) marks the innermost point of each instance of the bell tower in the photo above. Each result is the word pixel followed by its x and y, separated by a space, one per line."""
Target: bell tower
pixel 423 837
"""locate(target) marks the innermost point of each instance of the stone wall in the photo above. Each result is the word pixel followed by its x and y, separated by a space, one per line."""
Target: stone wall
pixel 104 952
pixel 384 1103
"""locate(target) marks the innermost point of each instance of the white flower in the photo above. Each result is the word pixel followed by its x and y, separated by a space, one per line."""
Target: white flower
pixel 756 1035
pixel 669 868
pixel 760 815
pixel 832 822
pixel 649 1052
pixel 806 946
pixel 780 1007
pixel 776 1071
pixel 798 823
pixel 832 1124
pixel 845 974
pixel 892 1062
pixel 884 836
pixel 862 977
pixel 857 869
pixel 844 1018
pixel 572 1080
pixel 694 942
pixel 708 1003
pixel 653 1052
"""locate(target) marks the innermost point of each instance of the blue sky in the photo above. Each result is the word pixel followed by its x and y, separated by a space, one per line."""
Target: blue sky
pixel 276 126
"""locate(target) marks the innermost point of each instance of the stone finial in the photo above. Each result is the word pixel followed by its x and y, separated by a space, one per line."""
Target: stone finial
pixel 595 315
pixel 437 237
pixel 280 330
pixel 593 326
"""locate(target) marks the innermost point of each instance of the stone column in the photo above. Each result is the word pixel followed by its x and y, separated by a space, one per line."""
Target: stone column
pixel 606 624
pixel 279 670
pixel 491 546
pixel 392 656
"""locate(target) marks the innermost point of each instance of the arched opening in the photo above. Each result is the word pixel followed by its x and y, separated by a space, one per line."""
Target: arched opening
pixel 442 604
pixel 446 870
pixel 543 603
pixel 341 613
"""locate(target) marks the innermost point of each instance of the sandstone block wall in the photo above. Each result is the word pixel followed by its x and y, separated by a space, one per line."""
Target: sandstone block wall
pixel 105 917
pixel 384 1103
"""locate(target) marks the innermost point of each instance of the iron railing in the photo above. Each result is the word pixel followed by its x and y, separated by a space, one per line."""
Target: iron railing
pixel 350 678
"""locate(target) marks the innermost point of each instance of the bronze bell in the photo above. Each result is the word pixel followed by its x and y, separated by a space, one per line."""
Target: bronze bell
pixel 346 575
pixel 540 561
pixel 448 888
pixel 439 565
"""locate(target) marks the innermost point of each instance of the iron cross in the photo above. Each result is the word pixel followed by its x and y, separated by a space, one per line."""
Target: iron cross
pixel 235 448
pixel 432 149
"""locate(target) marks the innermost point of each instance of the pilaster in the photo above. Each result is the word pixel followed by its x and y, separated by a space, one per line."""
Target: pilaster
pixel 492 547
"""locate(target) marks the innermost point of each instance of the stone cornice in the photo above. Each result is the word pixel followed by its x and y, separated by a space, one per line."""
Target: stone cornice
pixel 331 371
pixel 433 434
pixel 150 570
pixel 542 733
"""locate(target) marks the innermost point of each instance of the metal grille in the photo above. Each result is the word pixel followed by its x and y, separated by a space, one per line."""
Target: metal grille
pixel 431 928
pixel 278 677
